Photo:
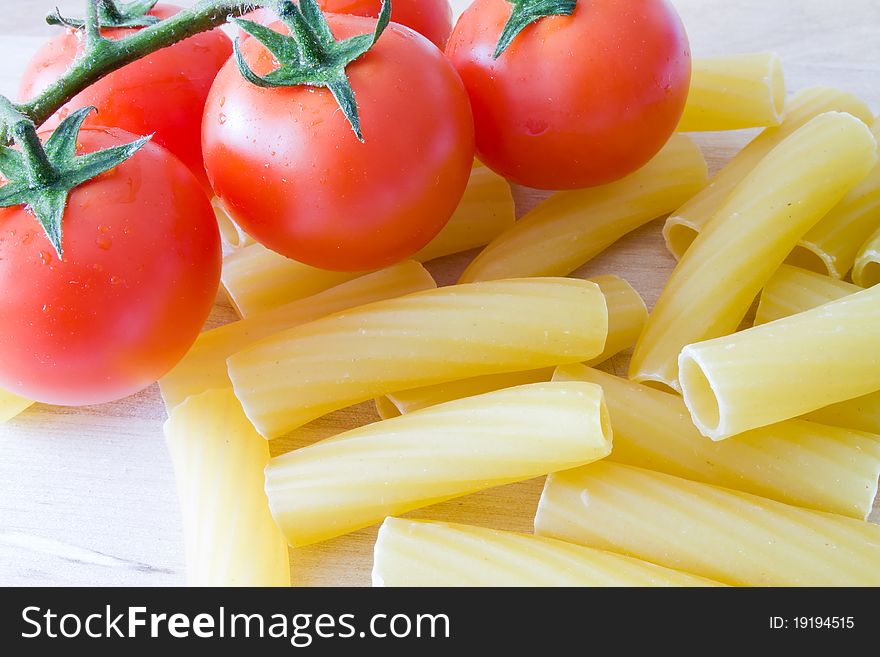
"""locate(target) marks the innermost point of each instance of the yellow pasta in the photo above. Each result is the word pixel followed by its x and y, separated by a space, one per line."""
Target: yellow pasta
pixel 684 224
pixel 626 318
pixel 728 536
pixel 716 281
pixel 866 271
pixel 797 462
pixel 419 553
pixel 570 228
pixel 486 210
pixel 11 405
pixel 204 366
pixel 257 279
pixel 230 232
pixel 231 539
pixel 793 290
pixel 358 478
pixel 417 340
pixel 733 92
pixel 786 368
pixel 832 245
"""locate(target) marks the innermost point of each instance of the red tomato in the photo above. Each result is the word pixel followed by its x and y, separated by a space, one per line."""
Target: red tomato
pixel 163 93
pixel 291 171
pixel 140 272
pixel 576 100
pixel 430 18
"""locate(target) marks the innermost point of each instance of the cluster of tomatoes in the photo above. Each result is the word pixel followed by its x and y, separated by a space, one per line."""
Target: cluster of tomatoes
pixel 574 101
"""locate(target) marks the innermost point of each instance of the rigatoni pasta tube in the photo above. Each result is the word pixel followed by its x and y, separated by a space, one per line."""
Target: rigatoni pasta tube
pixel 797 462
pixel 786 368
pixel 257 279
pixel 421 339
pixel 204 366
pixel 728 536
pixel 793 290
pixel 866 271
pixel 218 458
pixel 12 405
pixel 832 245
pixel 717 279
pixel 419 553
pixel 626 318
pixel 571 227
pixel 733 92
pixel 683 226
pixel 388 468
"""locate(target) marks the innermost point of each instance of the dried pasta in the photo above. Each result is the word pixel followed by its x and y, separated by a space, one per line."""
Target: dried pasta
pixel 733 92
pixel 359 477
pixel 419 553
pixel 786 368
pixel 802 463
pixel 571 227
pixel 728 536
pixel 421 339
pixel 231 539
pixel 716 281
pixel 683 225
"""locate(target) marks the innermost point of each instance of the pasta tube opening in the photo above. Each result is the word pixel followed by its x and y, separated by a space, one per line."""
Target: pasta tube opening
pixel 866 271
pixel 870 273
pixel 699 396
pixel 812 258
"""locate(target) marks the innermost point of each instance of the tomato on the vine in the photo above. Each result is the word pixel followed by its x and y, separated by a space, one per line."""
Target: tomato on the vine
pixel 575 100
pixel 163 93
pixel 138 277
pixel 430 18
pixel 292 172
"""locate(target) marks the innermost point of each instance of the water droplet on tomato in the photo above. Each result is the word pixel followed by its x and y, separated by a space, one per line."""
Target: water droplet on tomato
pixel 115 280
pixel 221 118
pixel 46 308
pixel 46 257
pixel 104 229
pixel 104 243
pixel 222 101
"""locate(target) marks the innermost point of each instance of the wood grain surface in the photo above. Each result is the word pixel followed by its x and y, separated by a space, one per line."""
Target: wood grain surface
pixel 87 495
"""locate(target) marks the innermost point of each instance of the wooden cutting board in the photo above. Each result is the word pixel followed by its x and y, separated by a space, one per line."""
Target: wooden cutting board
pixel 87 495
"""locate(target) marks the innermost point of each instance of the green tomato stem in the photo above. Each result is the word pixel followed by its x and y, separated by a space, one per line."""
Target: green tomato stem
pixel 103 56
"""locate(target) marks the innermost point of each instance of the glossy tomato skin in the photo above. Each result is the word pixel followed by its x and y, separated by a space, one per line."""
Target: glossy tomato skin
pixel 163 93
pixel 139 276
pixel 291 171
pixel 430 18
pixel 575 101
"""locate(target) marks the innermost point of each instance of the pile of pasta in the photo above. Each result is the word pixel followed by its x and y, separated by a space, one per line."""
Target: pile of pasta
pixel 742 449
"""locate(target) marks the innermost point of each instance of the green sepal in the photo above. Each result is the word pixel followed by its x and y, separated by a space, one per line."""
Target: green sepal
pixel 112 14
pixel 310 55
pixel 46 194
pixel 526 12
